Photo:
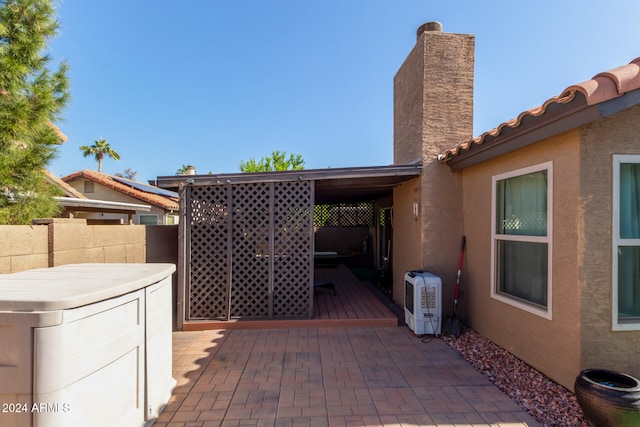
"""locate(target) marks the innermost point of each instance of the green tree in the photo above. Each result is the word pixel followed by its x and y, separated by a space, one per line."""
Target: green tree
pixel 183 170
pixel 277 161
pixel 98 150
pixel 32 97
pixel 128 173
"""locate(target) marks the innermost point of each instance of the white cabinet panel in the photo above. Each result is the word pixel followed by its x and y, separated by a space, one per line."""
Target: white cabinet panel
pixel 94 350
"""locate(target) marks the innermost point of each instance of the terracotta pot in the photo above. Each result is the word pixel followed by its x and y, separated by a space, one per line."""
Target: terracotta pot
pixel 608 398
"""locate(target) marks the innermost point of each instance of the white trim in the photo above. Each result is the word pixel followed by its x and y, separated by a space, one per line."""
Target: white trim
pixel 104 204
pixel 548 239
pixel 618 159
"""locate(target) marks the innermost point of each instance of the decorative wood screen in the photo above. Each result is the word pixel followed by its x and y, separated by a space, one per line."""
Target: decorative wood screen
pixel 344 215
pixel 249 251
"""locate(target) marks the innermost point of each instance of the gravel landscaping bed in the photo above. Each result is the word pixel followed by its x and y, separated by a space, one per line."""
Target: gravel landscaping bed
pixel 547 401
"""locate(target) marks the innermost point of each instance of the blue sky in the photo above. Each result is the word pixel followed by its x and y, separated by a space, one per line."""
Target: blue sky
pixel 212 83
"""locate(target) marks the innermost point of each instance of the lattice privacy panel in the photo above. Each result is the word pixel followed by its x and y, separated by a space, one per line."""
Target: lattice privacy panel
pixel 249 250
pixel 344 215
pixel 250 267
pixel 292 268
pixel 209 219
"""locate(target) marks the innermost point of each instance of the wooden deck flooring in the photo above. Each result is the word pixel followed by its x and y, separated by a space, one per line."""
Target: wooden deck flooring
pixel 353 305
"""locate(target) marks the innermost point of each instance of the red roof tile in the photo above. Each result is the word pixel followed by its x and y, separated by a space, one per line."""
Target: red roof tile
pixel 165 202
pixel 68 190
pixel 603 87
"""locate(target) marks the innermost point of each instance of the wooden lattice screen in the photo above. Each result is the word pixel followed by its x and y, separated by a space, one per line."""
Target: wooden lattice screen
pixel 249 251
pixel 344 215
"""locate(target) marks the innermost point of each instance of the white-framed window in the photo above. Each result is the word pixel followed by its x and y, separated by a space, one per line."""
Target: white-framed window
pixel 626 243
pixel 148 219
pixel 521 237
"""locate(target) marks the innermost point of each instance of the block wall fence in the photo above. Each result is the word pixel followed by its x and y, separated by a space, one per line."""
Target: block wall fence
pixel 58 241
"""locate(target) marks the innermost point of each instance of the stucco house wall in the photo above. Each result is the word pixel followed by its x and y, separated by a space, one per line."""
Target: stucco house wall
pixel 576 132
pixel 550 345
pixel 407 241
pixel 602 347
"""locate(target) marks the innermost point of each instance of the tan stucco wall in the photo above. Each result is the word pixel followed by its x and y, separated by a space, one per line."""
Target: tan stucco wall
pixel 552 346
pixel 406 244
pixel 442 228
pixel 602 347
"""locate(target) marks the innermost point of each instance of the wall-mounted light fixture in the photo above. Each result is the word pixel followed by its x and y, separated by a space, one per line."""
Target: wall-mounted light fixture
pixel 416 209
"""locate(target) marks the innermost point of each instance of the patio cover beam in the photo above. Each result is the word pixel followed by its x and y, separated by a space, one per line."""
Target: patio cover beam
pixel 331 185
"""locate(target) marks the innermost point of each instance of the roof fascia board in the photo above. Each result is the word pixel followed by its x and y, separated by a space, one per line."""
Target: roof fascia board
pixel 623 102
pixel 541 130
pixel 301 175
pixel 101 204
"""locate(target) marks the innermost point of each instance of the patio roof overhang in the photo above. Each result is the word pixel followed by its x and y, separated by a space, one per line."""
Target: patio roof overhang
pixel 332 185
pixel 92 205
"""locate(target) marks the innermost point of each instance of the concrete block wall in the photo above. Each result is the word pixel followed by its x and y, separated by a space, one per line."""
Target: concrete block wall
pixel 23 247
pixel 58 241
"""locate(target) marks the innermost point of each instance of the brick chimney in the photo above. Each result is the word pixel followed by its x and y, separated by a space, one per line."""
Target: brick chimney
pixel 433 110
pixel 433 95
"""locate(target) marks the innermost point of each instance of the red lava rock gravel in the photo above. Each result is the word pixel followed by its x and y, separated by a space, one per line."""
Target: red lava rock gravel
pixel 547 401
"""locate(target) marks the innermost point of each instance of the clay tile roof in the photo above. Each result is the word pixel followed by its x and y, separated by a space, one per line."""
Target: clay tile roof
pixel 66 188
pixel 159 200
pixel 603 87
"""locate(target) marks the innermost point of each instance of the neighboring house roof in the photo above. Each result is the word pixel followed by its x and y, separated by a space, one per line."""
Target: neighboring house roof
pixel 605 94
pixel 137 190
pixel 62 136
pixel 75 200
pixel 68 190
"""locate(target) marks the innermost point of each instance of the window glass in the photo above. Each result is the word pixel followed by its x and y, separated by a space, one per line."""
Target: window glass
pixel 522 205
pixel 629 283
pixel 522 237
pixel 629 200
pixel 522 270
pixel 148 219
pixel 628 250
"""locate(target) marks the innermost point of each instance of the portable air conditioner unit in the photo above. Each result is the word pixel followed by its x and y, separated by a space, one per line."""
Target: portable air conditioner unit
pixel 423 302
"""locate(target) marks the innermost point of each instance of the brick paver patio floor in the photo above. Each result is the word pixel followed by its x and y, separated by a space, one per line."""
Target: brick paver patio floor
pixel 329 377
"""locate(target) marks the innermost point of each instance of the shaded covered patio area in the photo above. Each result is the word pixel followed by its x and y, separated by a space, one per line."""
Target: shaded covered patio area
pixel 248 242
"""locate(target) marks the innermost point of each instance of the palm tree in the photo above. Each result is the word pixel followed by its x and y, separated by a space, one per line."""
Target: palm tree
pixel 98 150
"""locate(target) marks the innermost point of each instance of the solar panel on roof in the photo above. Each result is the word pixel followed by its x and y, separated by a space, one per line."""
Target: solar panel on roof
pixel 146 188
